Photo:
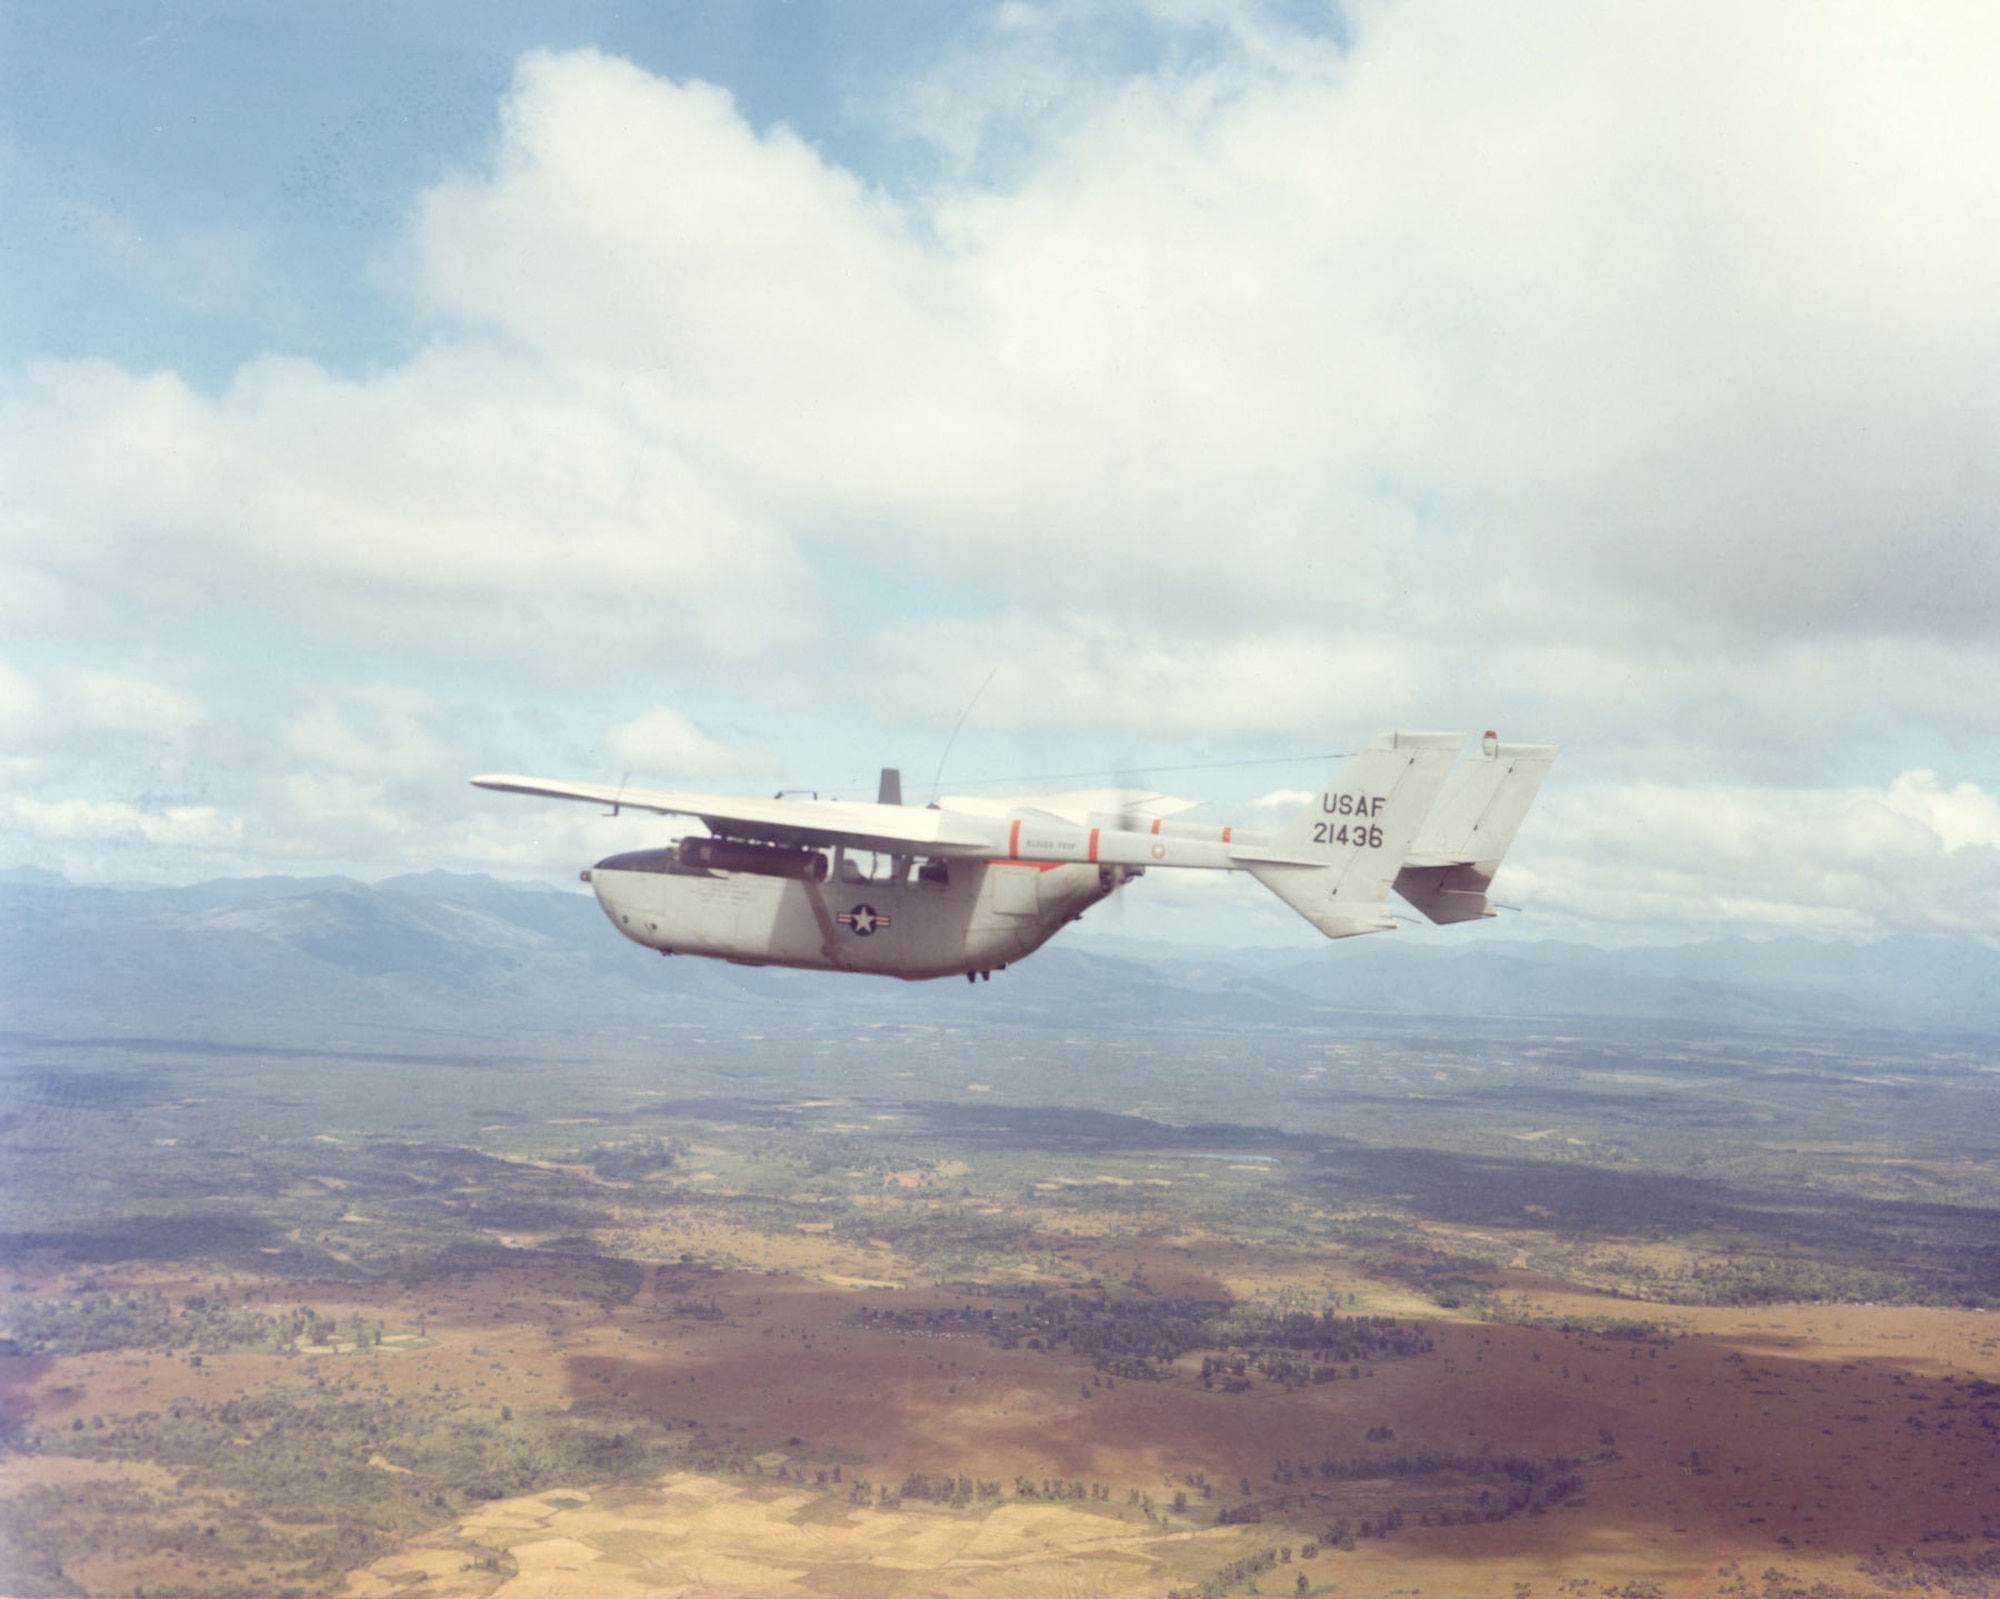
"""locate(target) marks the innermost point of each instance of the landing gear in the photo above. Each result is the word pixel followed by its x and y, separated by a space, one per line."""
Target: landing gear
pixel 973 977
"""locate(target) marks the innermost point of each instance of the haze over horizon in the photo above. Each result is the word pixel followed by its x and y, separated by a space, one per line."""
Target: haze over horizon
pixel 722 397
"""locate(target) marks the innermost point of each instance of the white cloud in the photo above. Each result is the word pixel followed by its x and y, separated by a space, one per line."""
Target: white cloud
pixel 1301 325
pixel 115 702
pixel 1911 855
pixel 1617 379
pixel 115 823
pixel 1097 671
pixel 663 742
pixel 454 507
pixel 378 732
pixel 1494 315
pixel 22 705
pixel 1959 818
pixel 64 722
pixel 68 700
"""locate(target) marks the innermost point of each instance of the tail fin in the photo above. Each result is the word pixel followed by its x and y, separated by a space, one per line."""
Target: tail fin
pixel 1460 848
pixel 1333 863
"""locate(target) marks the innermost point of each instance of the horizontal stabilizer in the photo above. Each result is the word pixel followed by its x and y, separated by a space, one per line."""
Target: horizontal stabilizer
pixel 1455 857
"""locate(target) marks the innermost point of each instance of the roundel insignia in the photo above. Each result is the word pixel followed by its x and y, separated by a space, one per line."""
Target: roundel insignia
pixel 1159 852
pixel 863 919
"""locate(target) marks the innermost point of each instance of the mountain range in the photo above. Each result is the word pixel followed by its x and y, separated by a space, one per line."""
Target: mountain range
pixel 436 956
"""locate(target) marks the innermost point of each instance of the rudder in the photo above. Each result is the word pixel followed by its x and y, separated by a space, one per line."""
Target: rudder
pixel 1455 857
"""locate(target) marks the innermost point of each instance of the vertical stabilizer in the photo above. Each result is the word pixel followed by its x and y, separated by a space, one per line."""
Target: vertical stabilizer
pixel 1334 862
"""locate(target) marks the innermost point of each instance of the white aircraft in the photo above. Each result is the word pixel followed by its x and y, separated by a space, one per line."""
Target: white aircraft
pixel 970 885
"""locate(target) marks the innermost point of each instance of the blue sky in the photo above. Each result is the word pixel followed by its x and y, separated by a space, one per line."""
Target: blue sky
pixel 298 135
pixel 724 393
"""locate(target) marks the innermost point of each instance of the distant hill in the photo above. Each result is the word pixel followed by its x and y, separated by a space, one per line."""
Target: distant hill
pixel 322 961
pixel 1920 984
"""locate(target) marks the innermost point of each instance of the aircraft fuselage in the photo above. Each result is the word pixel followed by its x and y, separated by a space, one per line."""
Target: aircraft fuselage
pixel 934 920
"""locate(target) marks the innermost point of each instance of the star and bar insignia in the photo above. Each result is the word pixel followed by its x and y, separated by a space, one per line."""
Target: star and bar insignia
pixel 864 919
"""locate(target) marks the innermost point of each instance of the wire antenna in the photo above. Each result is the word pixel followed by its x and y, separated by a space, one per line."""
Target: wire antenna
pixel 1152 771
pixel 937 777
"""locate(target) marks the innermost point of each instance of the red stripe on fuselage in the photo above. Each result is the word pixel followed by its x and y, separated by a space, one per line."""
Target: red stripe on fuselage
pixel 1093 843
pixel 1014 840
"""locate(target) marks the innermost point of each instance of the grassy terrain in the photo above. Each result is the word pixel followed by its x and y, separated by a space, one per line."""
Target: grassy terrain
pixel 274 1315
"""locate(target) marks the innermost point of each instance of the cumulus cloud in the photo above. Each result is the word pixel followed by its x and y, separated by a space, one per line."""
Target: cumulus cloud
pixel 664 742
pixel 1913 854
pixel 22 703
pixel 379 732
pixel 1960 817
pixel 1446 318
pixel 1622 380
pixel 116 702
pixel 1096 672
pixel 453 506
pixel 123 826
pixel 60 722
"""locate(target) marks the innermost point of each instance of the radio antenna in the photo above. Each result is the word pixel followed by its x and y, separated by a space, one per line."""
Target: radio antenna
pixel 938 776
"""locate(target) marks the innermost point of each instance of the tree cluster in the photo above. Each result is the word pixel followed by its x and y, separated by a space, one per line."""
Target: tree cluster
pixel 94 1322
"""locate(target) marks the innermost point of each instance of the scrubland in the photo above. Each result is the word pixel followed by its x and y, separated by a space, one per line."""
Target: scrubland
pixel 916 1310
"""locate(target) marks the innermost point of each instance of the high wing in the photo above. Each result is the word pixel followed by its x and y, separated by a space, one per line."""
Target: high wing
pixel 1103 807
pixel 817 824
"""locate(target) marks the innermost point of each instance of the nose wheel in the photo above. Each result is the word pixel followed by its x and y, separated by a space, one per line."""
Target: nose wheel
pixel 974 977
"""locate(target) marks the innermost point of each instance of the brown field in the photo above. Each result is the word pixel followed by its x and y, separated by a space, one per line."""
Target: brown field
pixel 351 1342
pixel 1806 1441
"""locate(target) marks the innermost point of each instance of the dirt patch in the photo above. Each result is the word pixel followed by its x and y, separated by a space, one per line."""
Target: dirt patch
pixel 1801 1439
pixel 692 1536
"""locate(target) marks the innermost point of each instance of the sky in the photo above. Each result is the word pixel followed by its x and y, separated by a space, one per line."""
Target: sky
pixel 744 396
